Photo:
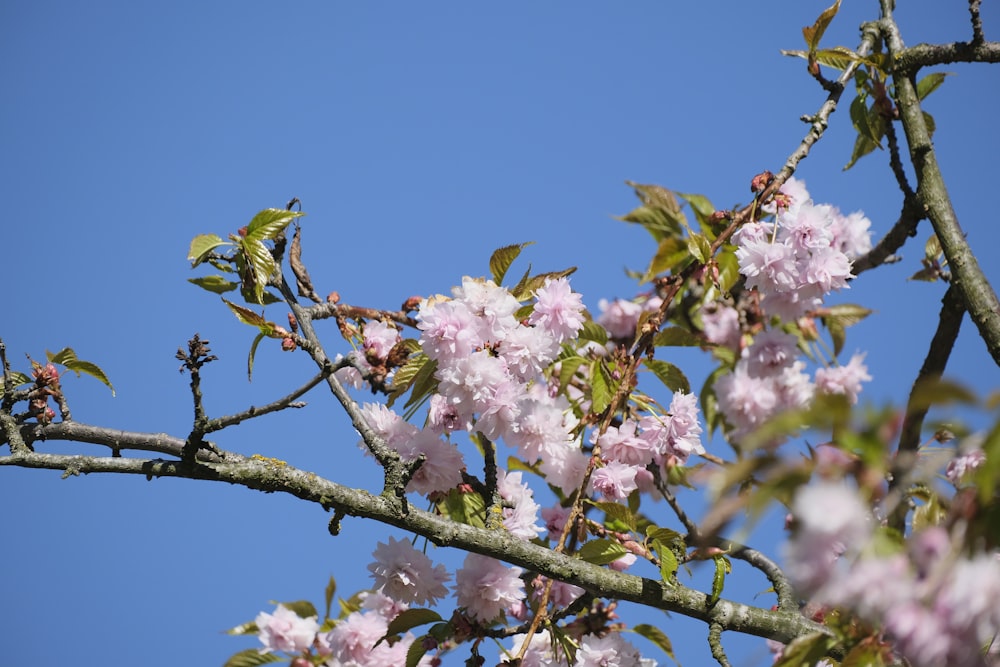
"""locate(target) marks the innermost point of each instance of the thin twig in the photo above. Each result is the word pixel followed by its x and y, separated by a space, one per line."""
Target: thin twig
pixel 977 22
pixel 288 401
pixel 715 644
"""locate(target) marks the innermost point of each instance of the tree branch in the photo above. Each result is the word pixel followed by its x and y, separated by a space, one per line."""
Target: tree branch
pixel 949 323
pixel 908 61
pixel 269 476
pixel 978 295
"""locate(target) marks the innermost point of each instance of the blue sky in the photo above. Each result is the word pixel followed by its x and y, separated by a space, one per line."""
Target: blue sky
pixel 419 137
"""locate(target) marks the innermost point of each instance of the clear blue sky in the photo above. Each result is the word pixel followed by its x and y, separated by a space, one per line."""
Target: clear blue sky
pixel 419 137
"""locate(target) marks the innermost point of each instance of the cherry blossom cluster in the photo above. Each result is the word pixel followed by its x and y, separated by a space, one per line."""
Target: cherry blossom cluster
pixel 484 587
pixel 353 642
pixel 792 263
pixel 627 450
pixel 937 604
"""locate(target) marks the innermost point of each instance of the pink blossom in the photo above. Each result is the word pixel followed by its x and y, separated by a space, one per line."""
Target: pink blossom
pixel 558 310
pixel 544 423
pixel 540 652
pixel 614 480
pixel 442 467
pixel 682 427
pixel 621 444
pixel 769 267
pixel 611 650
pixel 555 520
pixel 619 317
pixel 527 351
pixel 443 416
pixel 623 563
pixel 380 337
pixel 560 596
pixel 353 642
pixel 830 517
pixel 843 379
pixel 519 519
pixel 851 234
pixel 771 351
pixel 449 329
pixel 721 325
pixel 564 466
pixel 471 382
pixel 499 413
pixel 493 306
pixel 405 574
pixel 746 400
pixel 285 631
pixel 959 467
pixel 486 588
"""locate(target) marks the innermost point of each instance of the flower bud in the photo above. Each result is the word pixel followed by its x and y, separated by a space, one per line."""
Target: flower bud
pixel 293 324
pixel 411 304
pixel 333 297
pixel 761 181
pixel 288 344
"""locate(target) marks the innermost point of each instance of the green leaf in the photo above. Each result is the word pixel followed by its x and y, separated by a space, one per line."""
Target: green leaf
pixel 702 209
pixel 676 337
pixel 270 222
pixel 331 590
pixel 412 618
pixel 806 650
pixel 301 608
pixel 424 384
pixel 407 374
pixel 668 374
pixel 16 380
pixel 253 353
pixel 67 357
pixel 729 269
pixel 202 245
pixel 660 213
pixel 656 636
pixel 839 57
pixel 668 562
pixel 939 391
pixel 601 552
pixel 672 254
pixel 930 83
pixel 700 248
pixel 665 535
pixel 415 652
pixel 594 332
pixel 600 389
pixel 837 318
pixel 502 258
pixel 247 316
pixel 467 508
pixel 929 122
pixel 567 369
pixel 932 248
pixel 244 629
pixel 252 657
pixel 216 284
pixel 722 567
pixel 862 147
pixel 814 33
pixel 617 513
pixel 527 287
pixel 258 266
pixel 929 514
